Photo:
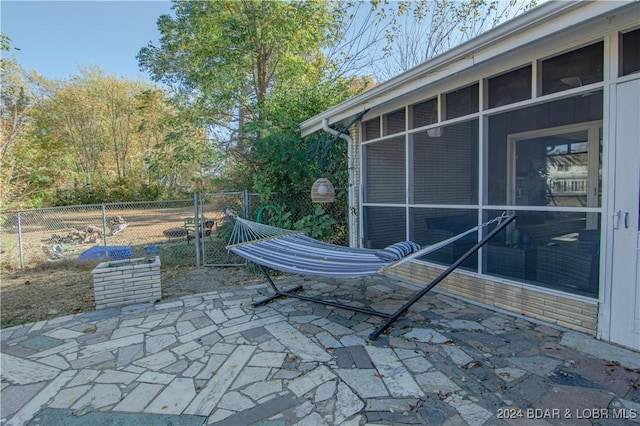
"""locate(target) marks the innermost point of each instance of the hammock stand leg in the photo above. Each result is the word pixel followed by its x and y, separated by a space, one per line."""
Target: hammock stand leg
pixel 439 278
pixel 289 293
pixel 277 292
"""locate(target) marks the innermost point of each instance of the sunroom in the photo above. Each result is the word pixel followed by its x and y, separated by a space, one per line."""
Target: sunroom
pixel 538 117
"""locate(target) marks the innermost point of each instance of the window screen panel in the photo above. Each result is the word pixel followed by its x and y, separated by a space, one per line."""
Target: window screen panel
pixel 431 226
pixel 509 88
pixel 445 168
pixel 630 52
pixel 424 113
pixel 461 102
pixel 371 129
pixel 394 122
pixel 384 177
pixel 577 68
pixel 384 226
pixel 557 250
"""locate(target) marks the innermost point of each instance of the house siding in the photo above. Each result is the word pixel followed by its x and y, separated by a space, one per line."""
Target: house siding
pixel 551 308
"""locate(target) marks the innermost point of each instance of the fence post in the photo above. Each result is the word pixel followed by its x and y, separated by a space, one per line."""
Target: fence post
pixel 104 230
pixel 196 219
pixel 246 202
pixel 20 241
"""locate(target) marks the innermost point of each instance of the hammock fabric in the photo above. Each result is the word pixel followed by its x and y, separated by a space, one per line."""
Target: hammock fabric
pixel 293 251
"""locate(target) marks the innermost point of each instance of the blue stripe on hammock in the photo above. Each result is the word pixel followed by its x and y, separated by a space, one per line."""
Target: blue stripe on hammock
pixel 303 255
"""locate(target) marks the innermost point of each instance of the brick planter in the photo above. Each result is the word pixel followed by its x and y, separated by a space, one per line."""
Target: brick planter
pixel 123 282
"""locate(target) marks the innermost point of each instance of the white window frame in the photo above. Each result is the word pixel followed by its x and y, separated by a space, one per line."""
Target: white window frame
pixel 593 133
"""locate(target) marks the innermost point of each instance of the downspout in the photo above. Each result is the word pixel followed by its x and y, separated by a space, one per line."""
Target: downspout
pixel 352 198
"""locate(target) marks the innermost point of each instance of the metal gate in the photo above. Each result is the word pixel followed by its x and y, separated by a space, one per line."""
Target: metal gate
pixel 216 227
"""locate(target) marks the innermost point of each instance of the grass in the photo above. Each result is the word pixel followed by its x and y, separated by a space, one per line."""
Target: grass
pixel 62 288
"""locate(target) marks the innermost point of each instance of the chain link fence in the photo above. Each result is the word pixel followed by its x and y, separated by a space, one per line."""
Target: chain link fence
pixel 217 226
pixel 93 232
pixel 296 210
pixel 182 232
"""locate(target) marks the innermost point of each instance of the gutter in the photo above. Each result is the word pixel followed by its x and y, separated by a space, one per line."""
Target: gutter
pixel 352 198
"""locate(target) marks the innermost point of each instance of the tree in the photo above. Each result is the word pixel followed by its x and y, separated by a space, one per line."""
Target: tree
pixel 418 30
pixel 24 173
pixel 91 137
pixel 224 57
pixel 15 103
pixel 116 130
pixel 185 159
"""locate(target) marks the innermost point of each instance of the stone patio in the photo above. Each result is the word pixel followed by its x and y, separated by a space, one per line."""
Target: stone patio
pixel 212 358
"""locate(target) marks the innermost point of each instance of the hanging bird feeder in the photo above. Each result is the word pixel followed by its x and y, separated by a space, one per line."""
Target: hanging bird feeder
pixel 323 191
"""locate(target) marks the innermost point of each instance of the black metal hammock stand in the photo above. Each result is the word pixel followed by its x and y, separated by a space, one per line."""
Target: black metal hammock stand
pixel 292 251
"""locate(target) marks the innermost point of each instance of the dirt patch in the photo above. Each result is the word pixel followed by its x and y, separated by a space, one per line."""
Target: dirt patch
pixel 44 293
pixel 66 288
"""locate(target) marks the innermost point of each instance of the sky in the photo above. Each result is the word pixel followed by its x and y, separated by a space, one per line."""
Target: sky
pixel 54 38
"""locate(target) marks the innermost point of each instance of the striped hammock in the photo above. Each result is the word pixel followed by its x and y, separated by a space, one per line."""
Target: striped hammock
pixel 293 251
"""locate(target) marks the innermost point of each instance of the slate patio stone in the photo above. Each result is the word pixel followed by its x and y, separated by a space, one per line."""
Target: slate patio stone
pixel 567 377
pixel 41 343
pixel 263 411
pixel 67 418
pixel 394 418
pixel 214 359
pixel 608 374
pixel 14 397
pixel 539 365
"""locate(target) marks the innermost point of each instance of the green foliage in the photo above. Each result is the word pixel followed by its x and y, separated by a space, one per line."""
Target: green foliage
pixel 5 42
pixel 247 69
pixel 282 164
pixel 231 52
pixel 26 172
pixel 318 225
pixel 287 166
pixel 96 138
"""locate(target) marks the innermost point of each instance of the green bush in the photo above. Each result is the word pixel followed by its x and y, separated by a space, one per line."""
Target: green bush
pixel 318 225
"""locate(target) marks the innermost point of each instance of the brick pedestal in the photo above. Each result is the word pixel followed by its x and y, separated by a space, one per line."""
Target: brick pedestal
pixel 123 282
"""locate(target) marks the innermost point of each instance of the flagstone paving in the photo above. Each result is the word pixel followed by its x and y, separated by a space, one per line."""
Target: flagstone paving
pixel 212 358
